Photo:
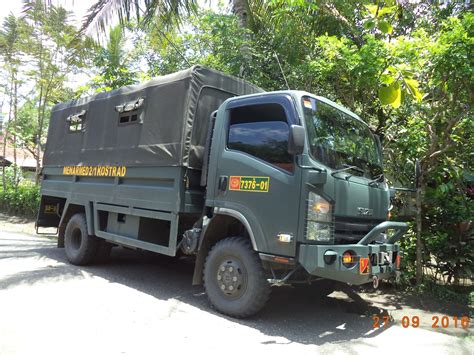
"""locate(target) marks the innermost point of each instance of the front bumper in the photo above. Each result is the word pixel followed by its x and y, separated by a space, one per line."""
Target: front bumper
pixel 382 258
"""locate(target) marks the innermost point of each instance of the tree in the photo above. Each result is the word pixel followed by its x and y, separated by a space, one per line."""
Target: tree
pixel 52 47
pixel 11 37
pixel 213 40
pixel 404 69
pixel 168 11
pixel 113 63
pixel 440 127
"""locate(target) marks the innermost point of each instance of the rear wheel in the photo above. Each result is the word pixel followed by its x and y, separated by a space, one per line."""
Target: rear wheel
pixel 234 279
pixel 80 247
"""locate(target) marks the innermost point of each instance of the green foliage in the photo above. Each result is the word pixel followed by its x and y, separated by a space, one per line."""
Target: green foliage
pixel 113 63
pixel 13 176
pixel 39 50
pixel 446 208
pixel 214 40
pixel 168 12
pixel 391 95
pixel 409 81
pixel 23 200
pixel 404 67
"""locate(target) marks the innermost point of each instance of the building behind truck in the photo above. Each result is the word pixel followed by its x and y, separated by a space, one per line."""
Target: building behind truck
pixel 204 164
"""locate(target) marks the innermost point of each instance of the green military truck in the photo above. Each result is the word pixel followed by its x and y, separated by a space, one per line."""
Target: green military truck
pixel 261 188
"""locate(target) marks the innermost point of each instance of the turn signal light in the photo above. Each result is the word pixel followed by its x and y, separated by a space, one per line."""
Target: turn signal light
pixel 282 260
pixel 349 259
pixel 397 262
pixel 322 207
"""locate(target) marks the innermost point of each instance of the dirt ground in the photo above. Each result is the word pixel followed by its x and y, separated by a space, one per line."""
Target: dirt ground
pixel 16 224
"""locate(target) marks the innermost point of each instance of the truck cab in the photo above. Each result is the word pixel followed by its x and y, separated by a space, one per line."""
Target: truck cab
pixel 305 177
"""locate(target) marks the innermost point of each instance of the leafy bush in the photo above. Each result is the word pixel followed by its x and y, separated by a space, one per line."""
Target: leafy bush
pixel 24 200
pixel 13 175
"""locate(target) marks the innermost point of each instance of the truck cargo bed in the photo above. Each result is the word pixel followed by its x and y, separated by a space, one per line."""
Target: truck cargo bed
pixel 130 159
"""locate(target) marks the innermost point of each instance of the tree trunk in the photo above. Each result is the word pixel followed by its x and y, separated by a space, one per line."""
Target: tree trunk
pixel 241 10
pixel 5 137
pixel 15 112
pixel 38 137
pixel 420 181
pixel 7 128
pixel 38 151
pixel 40 114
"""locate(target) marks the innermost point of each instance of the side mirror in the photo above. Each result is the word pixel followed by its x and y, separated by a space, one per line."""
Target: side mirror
pixel 296 140
pixel 392 192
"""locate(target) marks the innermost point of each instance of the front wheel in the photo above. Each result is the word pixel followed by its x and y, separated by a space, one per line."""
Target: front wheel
pixel 234 279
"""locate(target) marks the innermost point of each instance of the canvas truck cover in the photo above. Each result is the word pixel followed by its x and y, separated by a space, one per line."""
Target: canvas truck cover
pixel 162 122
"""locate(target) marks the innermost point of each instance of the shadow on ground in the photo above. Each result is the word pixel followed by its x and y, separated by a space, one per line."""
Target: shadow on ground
pixel 7 218
pixel 295 315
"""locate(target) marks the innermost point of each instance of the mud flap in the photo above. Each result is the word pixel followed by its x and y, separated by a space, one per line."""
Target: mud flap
pixel 49 213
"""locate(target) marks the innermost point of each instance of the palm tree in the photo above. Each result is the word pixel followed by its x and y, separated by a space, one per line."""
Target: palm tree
pixel 169 11
pixel 241 10
pixel 112 62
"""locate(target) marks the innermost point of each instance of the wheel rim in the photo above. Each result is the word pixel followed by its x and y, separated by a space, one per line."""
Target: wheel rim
pixel 76 239
pixel 231 277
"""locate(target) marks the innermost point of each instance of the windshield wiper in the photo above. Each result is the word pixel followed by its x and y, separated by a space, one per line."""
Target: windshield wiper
pixel 347 167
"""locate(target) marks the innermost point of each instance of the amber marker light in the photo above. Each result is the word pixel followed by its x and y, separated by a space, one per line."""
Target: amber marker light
pixel 321 207
pixel 349 259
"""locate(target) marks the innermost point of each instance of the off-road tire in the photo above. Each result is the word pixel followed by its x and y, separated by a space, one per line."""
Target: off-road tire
pixel 80 247
pixel 254 289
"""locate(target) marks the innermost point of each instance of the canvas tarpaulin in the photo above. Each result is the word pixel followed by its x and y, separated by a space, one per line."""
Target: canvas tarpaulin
pixel 162 122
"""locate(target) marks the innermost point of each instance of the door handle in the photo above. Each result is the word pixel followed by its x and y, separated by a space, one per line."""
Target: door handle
pixel 222 186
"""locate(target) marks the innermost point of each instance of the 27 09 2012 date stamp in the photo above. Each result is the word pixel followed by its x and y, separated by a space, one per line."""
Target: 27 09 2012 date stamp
pixel 382 321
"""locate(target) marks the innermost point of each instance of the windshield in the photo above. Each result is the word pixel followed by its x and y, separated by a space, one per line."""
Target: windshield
pixel 338 140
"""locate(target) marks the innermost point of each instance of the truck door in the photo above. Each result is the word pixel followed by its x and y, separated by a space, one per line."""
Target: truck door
pixel 256 178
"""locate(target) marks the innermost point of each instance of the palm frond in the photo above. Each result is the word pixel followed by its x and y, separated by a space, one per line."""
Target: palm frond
pixel 101 14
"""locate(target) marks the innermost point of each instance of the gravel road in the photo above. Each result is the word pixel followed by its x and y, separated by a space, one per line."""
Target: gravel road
pixel 142 305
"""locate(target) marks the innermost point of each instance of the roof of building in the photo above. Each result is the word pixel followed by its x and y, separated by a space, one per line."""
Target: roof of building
pixel 24 158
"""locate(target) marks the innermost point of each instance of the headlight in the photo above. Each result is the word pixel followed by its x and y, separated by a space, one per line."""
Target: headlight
pixel 318 232
pixel 319 219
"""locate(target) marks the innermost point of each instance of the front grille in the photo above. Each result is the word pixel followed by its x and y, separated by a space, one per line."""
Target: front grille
pixel 350 231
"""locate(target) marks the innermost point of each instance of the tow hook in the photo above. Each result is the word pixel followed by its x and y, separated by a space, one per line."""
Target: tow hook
pixel 375 282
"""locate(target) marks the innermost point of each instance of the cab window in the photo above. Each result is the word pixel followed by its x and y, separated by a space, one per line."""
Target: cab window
pixel 261 131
